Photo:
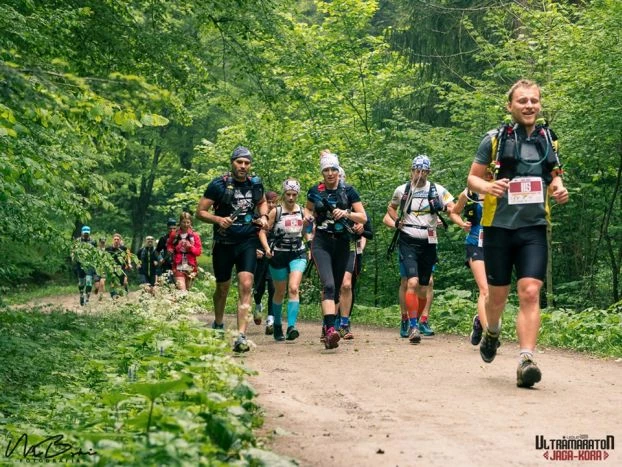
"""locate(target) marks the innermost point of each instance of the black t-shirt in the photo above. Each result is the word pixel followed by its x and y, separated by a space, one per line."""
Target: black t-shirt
pixel 242 199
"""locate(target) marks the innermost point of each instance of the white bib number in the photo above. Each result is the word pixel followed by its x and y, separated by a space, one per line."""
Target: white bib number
pixel 480 238
pixel 526 190
pixel 432 238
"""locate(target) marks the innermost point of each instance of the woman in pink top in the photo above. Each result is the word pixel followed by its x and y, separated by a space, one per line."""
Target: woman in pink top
pixel 185 246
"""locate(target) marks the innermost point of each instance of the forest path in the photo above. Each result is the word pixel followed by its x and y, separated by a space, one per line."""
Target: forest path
pixel 378 400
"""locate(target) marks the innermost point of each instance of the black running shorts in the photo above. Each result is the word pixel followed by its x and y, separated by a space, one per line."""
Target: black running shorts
pixel 524 249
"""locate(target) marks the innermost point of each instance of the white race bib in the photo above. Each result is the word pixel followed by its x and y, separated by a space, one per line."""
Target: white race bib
pixel 526 190
pixel 432 238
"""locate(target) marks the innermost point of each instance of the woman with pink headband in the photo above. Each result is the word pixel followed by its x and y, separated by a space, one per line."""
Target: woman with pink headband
pixel 287 256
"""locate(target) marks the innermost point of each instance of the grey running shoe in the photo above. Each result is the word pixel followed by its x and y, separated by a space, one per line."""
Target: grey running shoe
pixel 415 335
pixel 345 333
pixel 269 326
pixel 527 373
pixel 241 344
pixel 488 346
pixel 476 332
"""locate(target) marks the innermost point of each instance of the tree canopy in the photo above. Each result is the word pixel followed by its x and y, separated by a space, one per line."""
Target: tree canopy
pixel 117 114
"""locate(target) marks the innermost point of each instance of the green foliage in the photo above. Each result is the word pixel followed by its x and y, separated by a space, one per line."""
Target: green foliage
pixel 139 384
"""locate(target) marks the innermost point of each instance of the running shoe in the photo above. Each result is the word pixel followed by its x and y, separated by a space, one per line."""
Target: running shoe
pixel 257 313
pixel 269 325
pixel 218 327
pixel 278 332
pixel 425 329
pixel 527 373
pixel 241 344
pixel 405 328
pixel 476 332
pixel 332 338
pixel 488 346
pixel 81 300
pixel 415 335
pixel 345 333
pixel 291 333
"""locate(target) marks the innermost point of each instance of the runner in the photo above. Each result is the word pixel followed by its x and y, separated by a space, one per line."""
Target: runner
pixel 419 203
pixel 333 206
pixel 361 233
pixel 288 258
pixel 470 204
pixel 184 246
pixel 234 198
pixel 263 277
pixel 99 280
pixel 149 261
pixel 121 257
pixel 527 172
pixel 166 266
pixel 85 274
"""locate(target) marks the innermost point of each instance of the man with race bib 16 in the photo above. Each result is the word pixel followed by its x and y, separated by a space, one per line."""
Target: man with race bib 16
pixel 524 162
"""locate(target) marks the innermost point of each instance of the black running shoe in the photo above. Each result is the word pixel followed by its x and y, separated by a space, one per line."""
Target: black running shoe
pixel 488 346
pixel 291 333
pixel 278 332
pixel 527 373
pixel 476 332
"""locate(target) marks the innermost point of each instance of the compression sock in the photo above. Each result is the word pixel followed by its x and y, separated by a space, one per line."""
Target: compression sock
pixel 277 308
pixel 411 300
pixel 292 312
pixel 329 321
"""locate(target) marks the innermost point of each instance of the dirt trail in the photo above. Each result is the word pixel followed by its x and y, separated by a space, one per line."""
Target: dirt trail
pixel 378 400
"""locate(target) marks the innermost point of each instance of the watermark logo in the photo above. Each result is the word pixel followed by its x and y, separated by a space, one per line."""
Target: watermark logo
pixel 49 450
pixel 575 448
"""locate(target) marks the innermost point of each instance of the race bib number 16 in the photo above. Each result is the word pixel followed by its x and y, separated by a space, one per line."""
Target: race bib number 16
pixel 526 190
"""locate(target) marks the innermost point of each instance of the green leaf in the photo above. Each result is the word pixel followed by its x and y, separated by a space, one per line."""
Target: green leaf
pixel 154 390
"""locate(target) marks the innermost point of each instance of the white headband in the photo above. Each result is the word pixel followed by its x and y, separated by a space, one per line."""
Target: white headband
pixel 291 185
pixel 329 161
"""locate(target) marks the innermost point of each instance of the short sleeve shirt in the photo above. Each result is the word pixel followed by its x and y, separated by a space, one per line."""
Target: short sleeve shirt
pixel 418 219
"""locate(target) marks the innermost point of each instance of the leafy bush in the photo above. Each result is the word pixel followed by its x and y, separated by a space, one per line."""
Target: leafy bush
pixel 133 384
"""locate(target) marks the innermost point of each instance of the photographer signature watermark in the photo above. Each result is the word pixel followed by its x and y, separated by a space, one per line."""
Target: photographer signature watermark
pixel 50 449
